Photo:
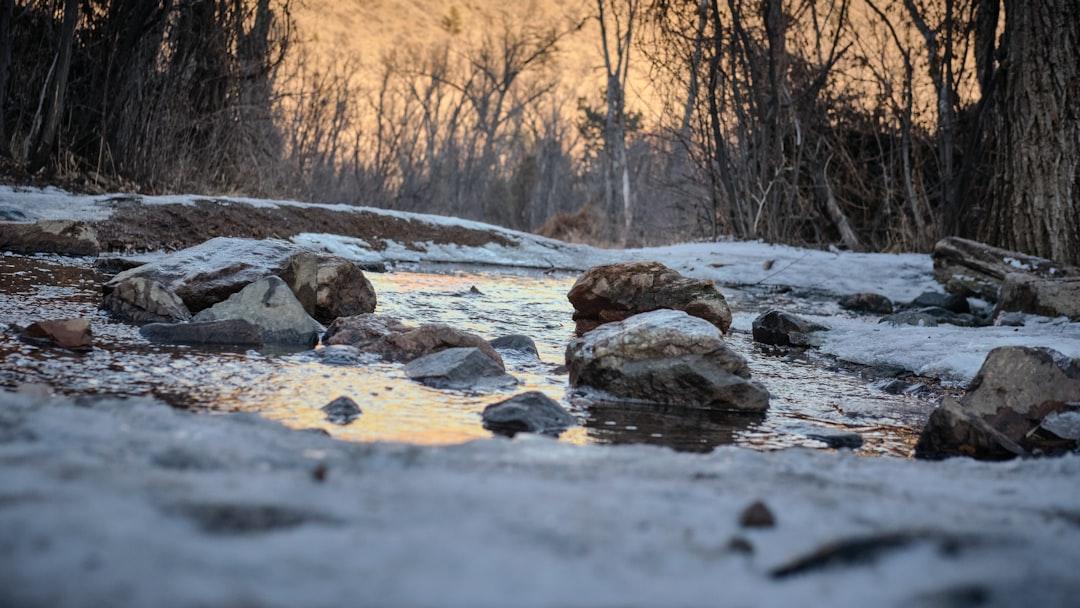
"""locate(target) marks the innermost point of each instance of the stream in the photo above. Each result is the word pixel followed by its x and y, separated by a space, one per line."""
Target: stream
pixel 808 390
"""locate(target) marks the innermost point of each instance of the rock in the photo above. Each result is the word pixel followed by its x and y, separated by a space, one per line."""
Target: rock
pixel 950 302
pixel 1010 319
pixel 1038 296
pixel 395 341
pixel 784 329
pixel 899 387
pixel 1016 388
pixel 342 410
pixel 617 291
pixel 230 332
pixel 835 438
pixel 1065 425
pixel 206 274
pixel 460 369
pixel 141 300
pixel 271 306
pixel 969 268
pixel 757 515
pixel 932 317
pixel 66 237
pixel 72 334
pixel 867 302
pixel 531 412
pixel 515 342
pixel 667 357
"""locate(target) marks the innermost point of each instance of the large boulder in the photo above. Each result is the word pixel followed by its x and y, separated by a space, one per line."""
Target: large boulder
pixel 667 357
pixel 230 332
pixel 1039 296
pixel 270 305
pixel 531 412
pixel 969 268
pixel 779 328
pixel 141 300
pixel 459 369
pixel 206 274
pixel 1016 388
pixel 395 341
pixel 618 291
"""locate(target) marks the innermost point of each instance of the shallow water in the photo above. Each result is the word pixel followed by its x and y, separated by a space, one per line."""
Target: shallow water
pixel 808 389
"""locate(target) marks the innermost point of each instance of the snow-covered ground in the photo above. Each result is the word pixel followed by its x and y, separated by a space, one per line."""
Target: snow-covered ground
pixel 135 504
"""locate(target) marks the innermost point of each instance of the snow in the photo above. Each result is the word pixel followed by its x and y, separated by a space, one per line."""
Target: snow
pixel 135 504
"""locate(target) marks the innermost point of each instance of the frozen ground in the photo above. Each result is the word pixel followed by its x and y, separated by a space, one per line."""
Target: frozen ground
pixel 135 504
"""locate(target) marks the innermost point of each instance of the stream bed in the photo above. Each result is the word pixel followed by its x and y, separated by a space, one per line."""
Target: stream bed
pixel 809 390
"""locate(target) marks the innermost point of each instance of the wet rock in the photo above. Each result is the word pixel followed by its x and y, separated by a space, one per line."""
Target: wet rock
pixel 66 237
pixel 1039 296
pixel 515 342
pixel 784 329
pixel 970 268
pixel 899 387
pixel 1010 319
pixel 757 515
pixel 1064 424
pixel 950 302
pixel 342 290
pixel 867 302
pixel 531 412
pixel 617 291
pixel 667 357
pixel 229 332
pixel 1014 391
pixel 395 341
pixel 140 300
pixel 835 438
pixel 72 334
pixel 342 411
pixel 459 369
pixel 271 306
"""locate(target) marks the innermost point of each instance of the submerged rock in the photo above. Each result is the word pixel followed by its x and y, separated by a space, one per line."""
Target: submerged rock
pixel 668 357
pixel 1040 296
pixel 271 306
pixel 867 302
pixel 531 412
pixel 784 329
pixel 342 411
pixel 229 332
pixel 617 291
pixel 72 334
pixel 1014 391
pixel 396 341
pixel 835 438
pixel 460 369
pixel 141 300
pixel 515 342
pixel 950 302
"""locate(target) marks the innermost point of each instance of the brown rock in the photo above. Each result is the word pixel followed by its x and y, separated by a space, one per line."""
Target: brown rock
pixel 66 237
pixel 396 341
pixel 342 290
pixel 757 515
pixel 73 334
pixel 1039 296
pixel 605 294
pixel 867 302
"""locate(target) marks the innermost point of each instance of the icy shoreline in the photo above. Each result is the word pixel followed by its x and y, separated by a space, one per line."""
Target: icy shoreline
pixel 133 504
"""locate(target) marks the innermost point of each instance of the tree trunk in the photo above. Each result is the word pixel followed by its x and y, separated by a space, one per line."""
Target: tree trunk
pixel 7 12
pixel 1036 194
pixel 57 87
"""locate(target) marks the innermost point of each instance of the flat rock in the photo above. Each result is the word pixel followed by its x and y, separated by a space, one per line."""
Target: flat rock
pixel 779 328
pixel 142 300
pixel 667 357
pixel 460 369
pixel 1040 296
pixel 72 334
pixel 396 341
pixel 229 332
pixel 1016 388
pixel 341 411
pixel 270 305
pixel 531 412
pixel 867 302
pixel 618 291
pixel 835 438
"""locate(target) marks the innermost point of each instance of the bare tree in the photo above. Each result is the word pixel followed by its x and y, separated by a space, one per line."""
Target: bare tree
pixel 617 19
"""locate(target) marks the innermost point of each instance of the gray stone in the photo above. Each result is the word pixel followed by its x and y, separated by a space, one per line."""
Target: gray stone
pixel 531 412
pixel 142 300
pixel 1010 319
pixel 271 306
pixel 666 357
pixel 867 302
pixel 460 369
pixel 1064 424
pixel 515 342
pixel 231 332
pixel 950 302
pixel 617 291
pixel 784 329
pixel 835 438
pixel 342 411
pixel 1040 296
